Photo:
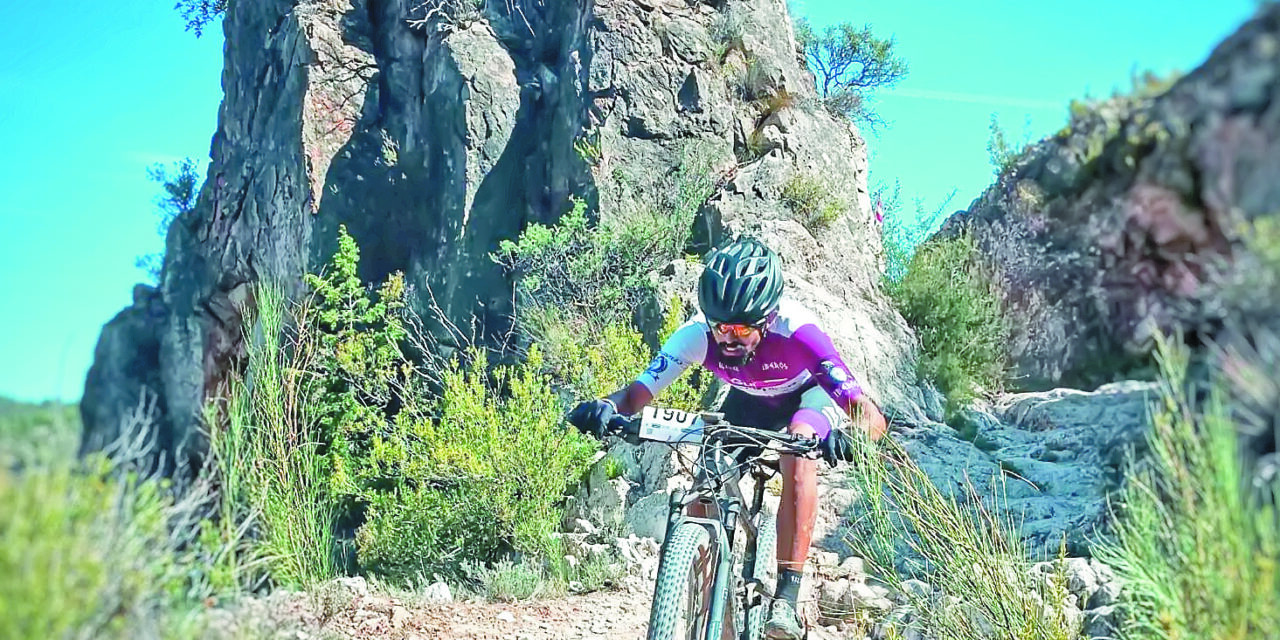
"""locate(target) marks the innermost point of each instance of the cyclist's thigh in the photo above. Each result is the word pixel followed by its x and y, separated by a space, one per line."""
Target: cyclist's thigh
pixel 829 415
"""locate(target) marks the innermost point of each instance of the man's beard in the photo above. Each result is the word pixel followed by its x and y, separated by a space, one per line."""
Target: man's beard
pixel 739 360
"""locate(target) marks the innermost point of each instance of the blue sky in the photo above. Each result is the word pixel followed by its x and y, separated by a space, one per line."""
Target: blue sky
pixel 92 96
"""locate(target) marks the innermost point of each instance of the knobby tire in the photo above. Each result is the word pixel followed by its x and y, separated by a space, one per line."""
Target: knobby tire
pixel 682 595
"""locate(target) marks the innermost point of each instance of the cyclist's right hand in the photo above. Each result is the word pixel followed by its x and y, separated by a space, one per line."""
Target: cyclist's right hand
pixel 593 416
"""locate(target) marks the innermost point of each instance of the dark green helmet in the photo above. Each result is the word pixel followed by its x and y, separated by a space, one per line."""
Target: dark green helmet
pixel 741 284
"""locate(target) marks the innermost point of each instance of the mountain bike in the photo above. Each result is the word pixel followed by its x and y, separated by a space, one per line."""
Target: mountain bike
pixel 716 571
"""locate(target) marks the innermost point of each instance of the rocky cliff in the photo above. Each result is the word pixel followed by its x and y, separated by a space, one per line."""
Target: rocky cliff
pixel 1148 212
pixel 434 130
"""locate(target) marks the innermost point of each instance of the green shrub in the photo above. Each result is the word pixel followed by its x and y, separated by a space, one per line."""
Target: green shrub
pixel 579 287
pixel 352 345
pixel 46 430
pixel 811 202
pixel 200 13
pixel 180 186
pixel 85 552
pixel 483 469
pixel 848 63
pixel 1001 151
pixel 589 358
pixel 1197 556
pixel 901 234
pixel 508 581
pixel 603 270
pixel 956 312
pixel 574 266
pixel 727 33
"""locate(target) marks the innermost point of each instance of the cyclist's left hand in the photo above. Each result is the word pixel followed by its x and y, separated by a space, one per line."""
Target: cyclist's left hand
pixel 593 416
pixel 837 446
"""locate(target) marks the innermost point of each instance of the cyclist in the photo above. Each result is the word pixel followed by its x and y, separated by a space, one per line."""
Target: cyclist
pixel 784 373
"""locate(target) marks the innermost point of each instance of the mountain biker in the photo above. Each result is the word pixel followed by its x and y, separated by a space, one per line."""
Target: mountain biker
pixel 784 373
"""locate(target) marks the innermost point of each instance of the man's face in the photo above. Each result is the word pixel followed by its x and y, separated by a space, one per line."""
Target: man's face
pixel 736 342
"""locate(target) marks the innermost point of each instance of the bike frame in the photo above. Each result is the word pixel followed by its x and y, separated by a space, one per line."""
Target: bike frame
pixel 716 488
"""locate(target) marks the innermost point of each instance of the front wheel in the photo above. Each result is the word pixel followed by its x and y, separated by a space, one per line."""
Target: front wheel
pixel 765 570
pixel 686 576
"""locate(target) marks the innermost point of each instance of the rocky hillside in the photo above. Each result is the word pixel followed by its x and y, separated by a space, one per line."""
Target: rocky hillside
pixel 434 131
pixel 1149 212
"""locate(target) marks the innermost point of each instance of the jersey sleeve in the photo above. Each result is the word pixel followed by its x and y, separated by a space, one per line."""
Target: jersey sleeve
pixel 685 347
pixel 828 368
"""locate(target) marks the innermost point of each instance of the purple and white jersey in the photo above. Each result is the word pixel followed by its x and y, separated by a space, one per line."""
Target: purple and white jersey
pixel 794 354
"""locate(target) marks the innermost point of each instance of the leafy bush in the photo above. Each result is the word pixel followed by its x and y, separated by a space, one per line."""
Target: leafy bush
pixel 1001 151
pixel 481 470
pixel 848 62
pixel 180 188
pixel 353 347
pixel 957 315
pixel 727 34
pixel 1198 557
pixel 335 429
pixel 199 13
pixel 601 271
pixel 901 234
pixel 45 429
pixel 811 202
pixel 590 359
pixel 579 287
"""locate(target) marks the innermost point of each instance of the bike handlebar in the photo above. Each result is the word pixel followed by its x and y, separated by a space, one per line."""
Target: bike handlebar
pixel 728 434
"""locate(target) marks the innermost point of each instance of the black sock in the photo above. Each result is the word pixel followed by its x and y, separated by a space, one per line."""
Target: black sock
pixel 789 585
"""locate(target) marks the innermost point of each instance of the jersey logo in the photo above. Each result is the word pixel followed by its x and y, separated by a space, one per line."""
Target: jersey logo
pixel 659 364
pixel 834 371
pixel 774 366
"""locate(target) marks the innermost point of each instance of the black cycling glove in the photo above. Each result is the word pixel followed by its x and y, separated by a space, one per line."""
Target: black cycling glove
pixel 837 446
pixel 593 416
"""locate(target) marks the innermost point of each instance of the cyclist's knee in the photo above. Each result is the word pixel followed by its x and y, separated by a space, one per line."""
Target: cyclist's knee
pixel 801 428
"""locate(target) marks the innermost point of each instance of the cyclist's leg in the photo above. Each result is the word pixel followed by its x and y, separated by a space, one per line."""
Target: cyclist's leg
pixel 816 415
pixel 798 511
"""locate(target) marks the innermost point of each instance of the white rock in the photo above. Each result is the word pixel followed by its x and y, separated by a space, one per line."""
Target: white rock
pixel 438 593
pixel 399 617
pixel 354 585
pixel 853 568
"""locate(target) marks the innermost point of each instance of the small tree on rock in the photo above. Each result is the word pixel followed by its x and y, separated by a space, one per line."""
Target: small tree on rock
pixel 848 62
pixel 199 13
pixel 181 188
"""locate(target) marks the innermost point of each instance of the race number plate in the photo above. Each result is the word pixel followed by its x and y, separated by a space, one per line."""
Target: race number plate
pixel 670 425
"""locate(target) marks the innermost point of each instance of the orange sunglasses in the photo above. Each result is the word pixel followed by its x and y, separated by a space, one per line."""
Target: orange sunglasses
pixel 735 330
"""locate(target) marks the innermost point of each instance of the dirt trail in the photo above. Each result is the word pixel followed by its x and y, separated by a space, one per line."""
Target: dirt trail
pixel 354 612
pixel 605 615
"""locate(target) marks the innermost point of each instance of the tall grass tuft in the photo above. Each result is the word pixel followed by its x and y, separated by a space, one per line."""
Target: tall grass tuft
pixel 983 584
pixel 1197 555
pixel 269 452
